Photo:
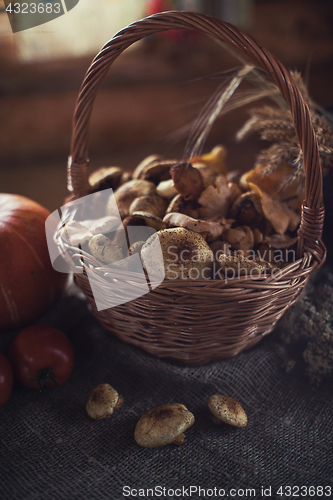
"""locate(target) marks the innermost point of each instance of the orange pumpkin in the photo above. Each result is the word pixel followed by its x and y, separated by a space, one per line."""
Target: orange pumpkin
pixel 28 282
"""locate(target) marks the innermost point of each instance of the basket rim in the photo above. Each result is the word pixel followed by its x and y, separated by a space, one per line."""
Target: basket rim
pixel 312 217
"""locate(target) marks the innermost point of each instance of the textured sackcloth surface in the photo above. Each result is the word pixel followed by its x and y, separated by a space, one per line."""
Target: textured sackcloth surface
pixel 50 448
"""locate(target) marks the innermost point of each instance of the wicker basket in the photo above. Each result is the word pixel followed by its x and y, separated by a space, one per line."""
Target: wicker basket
pixel 198 321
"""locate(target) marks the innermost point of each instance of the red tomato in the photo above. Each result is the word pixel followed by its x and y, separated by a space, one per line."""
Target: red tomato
pixel 6 380
pixel 41 356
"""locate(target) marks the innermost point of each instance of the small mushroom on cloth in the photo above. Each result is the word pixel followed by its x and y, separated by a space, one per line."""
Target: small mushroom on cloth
pixel 155 205
pixel 209 229
pixel 126 194
pixel 102 402
pixel 79 232
pixel 177 253
pixel 187 180
pixel 228 410
pixel 163 425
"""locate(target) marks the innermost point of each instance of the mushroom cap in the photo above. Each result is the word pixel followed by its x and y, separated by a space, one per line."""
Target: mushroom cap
pixel 241 266
pixel 228 410
pixel 166 189
pixel 155 205
pixel 105 178
pixel 102 248
pixel 102 402
pixel 183 254
pixel 162 425
pixel 210 229
pixel 126 194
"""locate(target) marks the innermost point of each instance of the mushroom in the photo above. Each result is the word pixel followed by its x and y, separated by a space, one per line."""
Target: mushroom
pixel 144 163
pixel 210 230
pixel 187 180
pixel 157 171
pixel 105 250
pixel 145 219
pixel 207 175
pixel 215 160
pixel 177 254
pixel 126 194
pixel 280 241
pixel 228 410
pixel 237 265
pixel 215 201
pixel 102 402
pixel 219 247
pixel 105 178
pixel 155 205
pixel 163 425
pixel 246 210
pixel 280 183
pixel 278 214
pixel 241 238
pixel 166 189
pixel 179 204
pixel 136 247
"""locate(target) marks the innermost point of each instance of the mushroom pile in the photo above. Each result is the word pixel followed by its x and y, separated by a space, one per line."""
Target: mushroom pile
pixel 208 221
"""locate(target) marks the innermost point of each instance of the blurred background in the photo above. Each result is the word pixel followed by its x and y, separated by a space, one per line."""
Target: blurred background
pixel 152 93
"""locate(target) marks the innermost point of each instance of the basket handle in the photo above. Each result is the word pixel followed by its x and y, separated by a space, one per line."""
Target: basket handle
pixel 312 211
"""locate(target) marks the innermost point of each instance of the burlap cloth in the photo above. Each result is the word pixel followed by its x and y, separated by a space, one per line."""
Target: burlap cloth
pixel 51 449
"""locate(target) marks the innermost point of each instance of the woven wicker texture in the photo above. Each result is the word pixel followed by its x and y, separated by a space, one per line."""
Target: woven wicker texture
pixel 199 321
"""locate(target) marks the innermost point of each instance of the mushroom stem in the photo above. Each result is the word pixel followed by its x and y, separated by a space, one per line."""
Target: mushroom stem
pixel 120 401
pixel 216 421
pixel 180 440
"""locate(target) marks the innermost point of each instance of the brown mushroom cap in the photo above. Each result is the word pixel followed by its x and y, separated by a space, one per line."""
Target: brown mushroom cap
pixel 155 205
pixel 241 266
pixel 105 178
pixel 102 402
pixel 227 410
pixel 177 253
pixel 163 425
pixel 126 194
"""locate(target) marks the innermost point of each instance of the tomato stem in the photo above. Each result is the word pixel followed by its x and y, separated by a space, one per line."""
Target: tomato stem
pixel 43 378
